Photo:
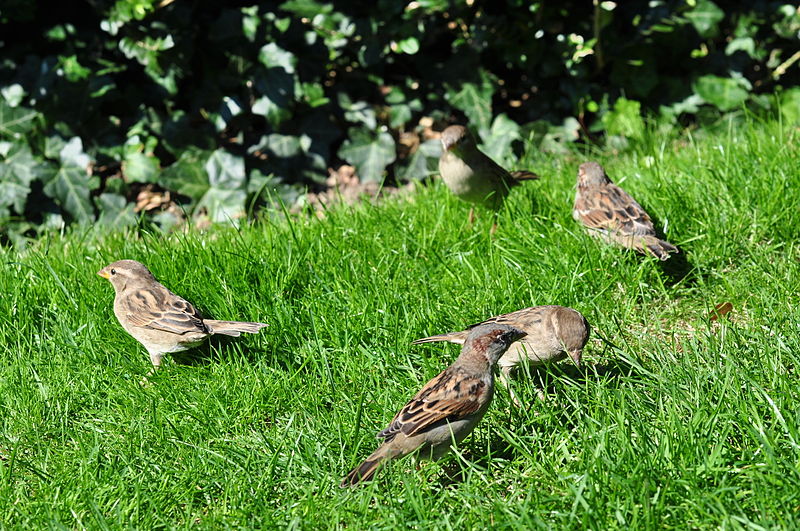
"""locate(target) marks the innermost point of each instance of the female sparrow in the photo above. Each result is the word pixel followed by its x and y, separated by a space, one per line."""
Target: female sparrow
pixel 614 216
pixel 156 317
pixel 471 175
pixel 552 334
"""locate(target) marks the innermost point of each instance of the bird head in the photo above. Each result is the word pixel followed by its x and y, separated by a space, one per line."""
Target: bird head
pixel 592 174
pixel 457 138
pixel 121 272
pixel 491 341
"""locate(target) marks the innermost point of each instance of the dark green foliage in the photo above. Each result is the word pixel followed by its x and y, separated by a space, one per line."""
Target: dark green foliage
pixel 234 106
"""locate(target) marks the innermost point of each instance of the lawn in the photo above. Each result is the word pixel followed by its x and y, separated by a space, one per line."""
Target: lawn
pixel 682 423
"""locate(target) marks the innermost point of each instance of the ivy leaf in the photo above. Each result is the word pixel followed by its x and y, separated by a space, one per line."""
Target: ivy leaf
pixel 423 162
pixel 115 211
pixel 13 94
pixel 273 56
pixel 69 187
pixel 497 141
pixel 71 154
pixel 306 8
pixel 223 205
pixel 705 18
pixel 140 168
pixel 277 89
pixel 359 112
pixel 16 121
pixel 722 92
pixel 225 171
pixel 368 153
pixel 17 171
pixel 187 175
pixel 475 100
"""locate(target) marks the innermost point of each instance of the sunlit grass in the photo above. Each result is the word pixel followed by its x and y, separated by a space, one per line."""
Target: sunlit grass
pixel 688 424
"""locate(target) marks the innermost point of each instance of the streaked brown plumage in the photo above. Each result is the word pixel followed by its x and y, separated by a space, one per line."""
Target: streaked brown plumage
pixel 470 174
pixel 447 408
pixel 157 318
pixel 611 214
pixel 552 334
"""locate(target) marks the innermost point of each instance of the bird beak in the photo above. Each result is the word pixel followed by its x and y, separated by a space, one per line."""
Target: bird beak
pixel 103 273
pixel 576 357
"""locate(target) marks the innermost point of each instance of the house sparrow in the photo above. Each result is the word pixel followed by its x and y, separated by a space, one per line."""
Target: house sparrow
pixel 614 216
pixel 473 176
pixel 156 317
pixel 552 333
pixel 447 408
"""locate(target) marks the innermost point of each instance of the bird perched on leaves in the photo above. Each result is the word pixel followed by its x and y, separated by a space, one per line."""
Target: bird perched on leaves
pixel 611 214
pixel 159 319
pixel 447 408
pixel 471 175
pixel 552 334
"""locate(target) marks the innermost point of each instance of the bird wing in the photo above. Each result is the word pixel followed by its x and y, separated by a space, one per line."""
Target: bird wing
pixel 160 309
pixel 523 319
pixel 450 396
pixel 610 208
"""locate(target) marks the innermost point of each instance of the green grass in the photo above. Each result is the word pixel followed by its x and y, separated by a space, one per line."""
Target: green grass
pixel 688 425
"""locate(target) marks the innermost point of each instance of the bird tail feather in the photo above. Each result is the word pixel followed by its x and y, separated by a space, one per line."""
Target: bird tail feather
pixel 232 328
pixel 367 469
pixel 452 337
pixel 650 245
pixel 523 175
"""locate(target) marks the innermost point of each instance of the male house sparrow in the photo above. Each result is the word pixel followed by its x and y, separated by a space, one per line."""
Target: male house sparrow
pixel 447 408
pixel 156 317
pixel 614 216
pixel 552 334
pixel 471 175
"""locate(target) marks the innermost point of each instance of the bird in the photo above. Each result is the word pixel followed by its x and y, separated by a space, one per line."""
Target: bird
pixel 157 318
pixel 552 334
pixel 471 175
pixel 447 408
pixel 610 213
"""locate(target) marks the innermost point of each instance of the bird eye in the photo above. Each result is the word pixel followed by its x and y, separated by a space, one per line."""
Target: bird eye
pixel 113 271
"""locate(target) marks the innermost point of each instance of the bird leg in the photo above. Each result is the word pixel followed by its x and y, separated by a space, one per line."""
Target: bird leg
pixel 471 216
pixel 155 359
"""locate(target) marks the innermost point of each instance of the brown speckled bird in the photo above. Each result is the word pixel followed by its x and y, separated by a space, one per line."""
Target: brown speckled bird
pixel 471 175
pixel 447 408
pixel 157 318
pixel 552 334
pixel 614 216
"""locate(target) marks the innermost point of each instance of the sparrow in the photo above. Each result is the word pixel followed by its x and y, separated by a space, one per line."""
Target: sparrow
pixel 157 318
pixel 447 408
pixel 471 175
pixel 614 216
pixel 552 334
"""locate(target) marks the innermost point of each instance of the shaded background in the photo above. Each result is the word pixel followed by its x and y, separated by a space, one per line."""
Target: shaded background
pixel 145 111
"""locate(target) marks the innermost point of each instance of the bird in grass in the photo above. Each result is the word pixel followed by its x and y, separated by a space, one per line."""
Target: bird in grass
pixel 447 408
pixel 157 318
pixel 552 334
pixel 471 175
pixel 611 214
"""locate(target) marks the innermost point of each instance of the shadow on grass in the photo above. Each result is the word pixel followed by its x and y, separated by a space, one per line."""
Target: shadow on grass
pixel 677 269
pixel 215 349
pixel 500 448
